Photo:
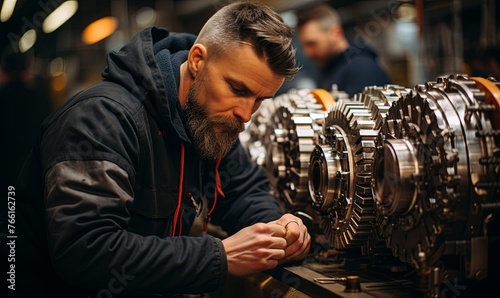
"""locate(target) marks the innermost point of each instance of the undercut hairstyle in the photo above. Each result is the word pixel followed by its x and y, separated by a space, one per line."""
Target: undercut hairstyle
pixel 324 14
pixel 255 24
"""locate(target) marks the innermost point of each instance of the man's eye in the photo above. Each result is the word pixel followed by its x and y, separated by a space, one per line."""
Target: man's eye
pixel 238 91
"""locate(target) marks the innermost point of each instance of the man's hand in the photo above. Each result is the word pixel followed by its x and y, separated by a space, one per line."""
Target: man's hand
pixel 297 238
pixel 256 248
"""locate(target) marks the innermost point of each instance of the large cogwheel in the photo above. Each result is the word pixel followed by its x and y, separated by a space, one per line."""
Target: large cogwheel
pixel 340 166
pixel 280 138
pixel 436 174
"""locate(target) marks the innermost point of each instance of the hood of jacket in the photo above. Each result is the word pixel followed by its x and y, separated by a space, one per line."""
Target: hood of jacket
pixel 149 67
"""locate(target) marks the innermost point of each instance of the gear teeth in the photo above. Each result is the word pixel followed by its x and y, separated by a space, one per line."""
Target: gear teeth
pixel 282 137
pixel 410 169
pixel 345 200
pixel 487 133
pixel 432 142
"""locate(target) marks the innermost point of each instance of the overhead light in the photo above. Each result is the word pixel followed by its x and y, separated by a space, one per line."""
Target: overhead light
pixel 407 12
pixel 59 16
pixel 27 41
pixel 56 66
pixel 7 10
pixel 145 16
pixel 99 30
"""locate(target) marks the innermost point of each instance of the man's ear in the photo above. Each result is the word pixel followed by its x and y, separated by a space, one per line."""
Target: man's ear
pixel 197 59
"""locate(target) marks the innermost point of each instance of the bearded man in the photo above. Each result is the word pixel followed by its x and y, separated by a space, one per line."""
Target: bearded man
pixel 117 176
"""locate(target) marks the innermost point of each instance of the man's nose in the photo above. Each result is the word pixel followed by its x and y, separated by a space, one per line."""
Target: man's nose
pixel 243 112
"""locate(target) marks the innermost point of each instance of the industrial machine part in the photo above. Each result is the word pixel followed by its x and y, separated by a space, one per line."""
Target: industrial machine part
pixel 280 138
pixel 414 171
pixel 436 175
pixel 340 166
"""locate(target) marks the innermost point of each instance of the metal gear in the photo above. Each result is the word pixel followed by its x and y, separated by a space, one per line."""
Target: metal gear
pixel 436 174
pixel 280 138
pixel 340 166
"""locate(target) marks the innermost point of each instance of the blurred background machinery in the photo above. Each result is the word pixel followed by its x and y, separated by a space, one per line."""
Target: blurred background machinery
pixel 406 176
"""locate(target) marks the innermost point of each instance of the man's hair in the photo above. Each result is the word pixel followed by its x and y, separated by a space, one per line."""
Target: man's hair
pixel 323 13
pixel 256 24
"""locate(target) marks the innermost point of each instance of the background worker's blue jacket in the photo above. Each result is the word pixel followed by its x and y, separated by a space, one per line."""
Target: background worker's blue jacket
pixel 98 193
pixel 353 70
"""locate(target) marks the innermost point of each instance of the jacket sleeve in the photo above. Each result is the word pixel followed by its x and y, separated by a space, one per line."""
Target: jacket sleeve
pixel 88 194
pixel 247 198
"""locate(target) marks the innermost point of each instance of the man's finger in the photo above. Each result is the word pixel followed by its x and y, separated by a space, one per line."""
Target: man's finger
pixel 299 253
pixel 279 243
pixel 293 233
pixel 277 230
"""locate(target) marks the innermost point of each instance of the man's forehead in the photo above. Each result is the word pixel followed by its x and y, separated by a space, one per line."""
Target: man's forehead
pixel 257 89
pixel 244 65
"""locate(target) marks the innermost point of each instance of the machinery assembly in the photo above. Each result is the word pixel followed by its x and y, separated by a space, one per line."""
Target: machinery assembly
pixel 436 177
pixel 280 137
pixel 415 171
pixel 340 166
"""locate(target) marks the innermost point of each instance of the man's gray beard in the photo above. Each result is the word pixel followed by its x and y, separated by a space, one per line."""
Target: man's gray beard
pixel 210 144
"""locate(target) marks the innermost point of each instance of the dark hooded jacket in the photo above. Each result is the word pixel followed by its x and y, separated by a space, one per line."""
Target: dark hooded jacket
pixel 111 171
pixel 352 70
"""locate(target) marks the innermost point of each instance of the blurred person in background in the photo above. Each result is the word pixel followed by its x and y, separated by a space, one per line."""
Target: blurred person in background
pixel 120 172
pixel 323 40
pixel 24 107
